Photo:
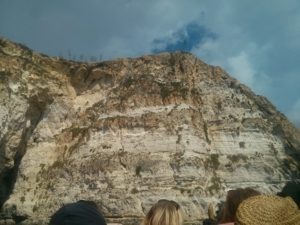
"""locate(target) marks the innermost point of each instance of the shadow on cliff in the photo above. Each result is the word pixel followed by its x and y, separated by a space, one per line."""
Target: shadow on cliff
pixel 8 177
pixel 290 164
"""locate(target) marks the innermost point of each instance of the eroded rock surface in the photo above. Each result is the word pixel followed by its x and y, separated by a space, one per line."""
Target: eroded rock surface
pixel 128 132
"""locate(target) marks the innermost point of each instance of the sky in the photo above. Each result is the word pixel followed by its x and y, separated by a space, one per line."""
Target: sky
pixel 255 41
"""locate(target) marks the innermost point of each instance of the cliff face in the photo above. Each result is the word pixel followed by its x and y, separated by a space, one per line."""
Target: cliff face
pixel 128 132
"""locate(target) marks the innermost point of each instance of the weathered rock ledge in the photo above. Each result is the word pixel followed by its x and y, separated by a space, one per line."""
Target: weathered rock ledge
pixel 128 132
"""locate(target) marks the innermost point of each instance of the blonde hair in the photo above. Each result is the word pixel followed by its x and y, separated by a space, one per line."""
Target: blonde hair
pixel 164 212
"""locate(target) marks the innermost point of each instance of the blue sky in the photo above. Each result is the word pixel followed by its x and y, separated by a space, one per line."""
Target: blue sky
pixel 256 41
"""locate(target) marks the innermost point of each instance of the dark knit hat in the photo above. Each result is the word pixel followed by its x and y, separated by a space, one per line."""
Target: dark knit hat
pixel 291 189
pixel 79 213
pixel 268 210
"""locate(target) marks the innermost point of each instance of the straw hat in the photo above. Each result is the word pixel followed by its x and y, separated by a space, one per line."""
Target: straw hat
pixel 268 210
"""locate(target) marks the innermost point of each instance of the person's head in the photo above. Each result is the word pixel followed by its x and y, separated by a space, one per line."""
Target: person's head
pixel 233 199
pixel 266 210
pixel 291 189
pixel 164 212
pixel 79 213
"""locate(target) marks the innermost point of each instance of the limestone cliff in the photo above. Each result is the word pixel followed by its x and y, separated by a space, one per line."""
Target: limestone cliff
pixel 128 132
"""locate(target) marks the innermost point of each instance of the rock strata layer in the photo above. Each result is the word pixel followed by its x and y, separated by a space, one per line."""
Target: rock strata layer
pixel 128 132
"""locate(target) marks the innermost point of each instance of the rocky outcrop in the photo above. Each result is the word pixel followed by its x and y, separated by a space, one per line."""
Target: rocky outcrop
pixel 128 132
